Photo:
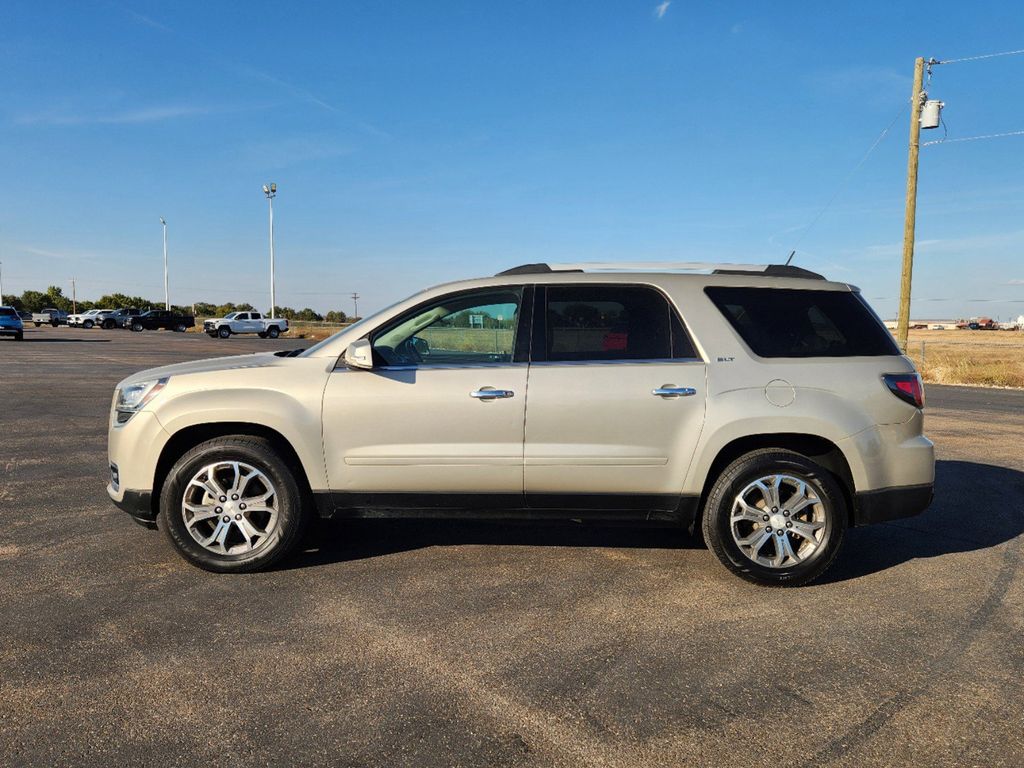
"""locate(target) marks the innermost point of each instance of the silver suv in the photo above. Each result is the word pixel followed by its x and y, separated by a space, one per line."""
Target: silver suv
pixel 765 406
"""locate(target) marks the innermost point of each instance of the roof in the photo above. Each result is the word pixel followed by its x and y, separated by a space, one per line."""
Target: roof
pixel 751 270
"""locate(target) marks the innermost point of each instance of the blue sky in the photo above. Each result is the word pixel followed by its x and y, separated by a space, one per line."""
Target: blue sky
pixel 418 142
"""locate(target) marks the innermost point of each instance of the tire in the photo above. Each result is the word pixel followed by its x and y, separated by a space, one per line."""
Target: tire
pixel 212 334
pixel 180 328
pixel 137 327
pixel 88 324
pixel 824 510
pixel 262 334
pixel 224 332
pixel 240 554
pixel 108 324
pixel 19 336
pixel 54 323
pixel 37 325
pixel 273 331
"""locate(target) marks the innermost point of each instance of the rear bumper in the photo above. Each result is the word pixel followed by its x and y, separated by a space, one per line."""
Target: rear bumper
pixel 891 503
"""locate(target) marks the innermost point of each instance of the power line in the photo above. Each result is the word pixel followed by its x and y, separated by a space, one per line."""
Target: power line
pixel 973 138
pixel 846 179
pixel 978 58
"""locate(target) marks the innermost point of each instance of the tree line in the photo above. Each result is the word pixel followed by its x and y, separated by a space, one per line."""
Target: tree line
pixel 53 296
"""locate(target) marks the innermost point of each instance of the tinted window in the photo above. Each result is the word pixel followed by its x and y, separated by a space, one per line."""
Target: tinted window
pixel 255 316
pixel 464 328
pixel 784 322
pixel 7 312
pixel 612 323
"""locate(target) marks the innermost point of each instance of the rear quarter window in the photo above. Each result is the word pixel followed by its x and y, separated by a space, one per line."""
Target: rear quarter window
pixel 788 322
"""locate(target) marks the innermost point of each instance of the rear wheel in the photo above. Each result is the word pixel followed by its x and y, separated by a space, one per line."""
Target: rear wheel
pixel 38 324
pixel 224 332
pixel 273 331
pixel 180 328
pixel 88 324
pixel 108 324
pixel 137 326
pixel 776 518
pixel 55 322
pixel 232 504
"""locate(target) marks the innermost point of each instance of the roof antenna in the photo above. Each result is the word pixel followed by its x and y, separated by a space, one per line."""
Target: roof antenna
pixel 791 255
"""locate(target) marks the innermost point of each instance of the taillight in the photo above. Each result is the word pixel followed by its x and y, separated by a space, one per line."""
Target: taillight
pixel 907 387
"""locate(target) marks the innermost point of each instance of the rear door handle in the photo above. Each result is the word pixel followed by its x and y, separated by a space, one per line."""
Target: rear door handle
pixel 669 391
pixel 492 394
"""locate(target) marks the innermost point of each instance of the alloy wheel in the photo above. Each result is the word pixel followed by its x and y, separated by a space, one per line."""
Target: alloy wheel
pixel 230 507
pixel 778 521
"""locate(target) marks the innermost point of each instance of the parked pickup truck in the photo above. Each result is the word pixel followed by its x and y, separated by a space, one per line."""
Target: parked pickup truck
pixel 88 319
pixel 245 322
pixel 120 318
pixel 161 318
pixel 50 316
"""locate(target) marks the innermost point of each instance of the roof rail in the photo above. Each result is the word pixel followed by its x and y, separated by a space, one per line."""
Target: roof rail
pixel 768 270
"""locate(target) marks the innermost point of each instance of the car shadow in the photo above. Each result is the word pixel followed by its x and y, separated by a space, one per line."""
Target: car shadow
pixel 348 539
pixel 976 506
pixel 970 512
pixel 33 340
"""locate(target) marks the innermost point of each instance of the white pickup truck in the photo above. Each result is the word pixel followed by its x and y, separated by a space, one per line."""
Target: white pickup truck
pixel 50 316
pixel 245 322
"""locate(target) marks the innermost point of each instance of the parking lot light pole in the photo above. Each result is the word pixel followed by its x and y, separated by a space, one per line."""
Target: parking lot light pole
pixel 271 192
pixel 167 296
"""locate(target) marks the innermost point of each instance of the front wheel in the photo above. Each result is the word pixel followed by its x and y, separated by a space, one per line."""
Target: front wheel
pixel 776 518
pixel 262 334
pixel 224 332
pixel 88 324
pixel 38 325
pixel 137 327
pixel 232 504
pixel 108 324
pixel 19 336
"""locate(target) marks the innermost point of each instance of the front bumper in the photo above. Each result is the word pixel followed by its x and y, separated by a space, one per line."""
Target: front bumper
pixel 7 330
pixel 138 504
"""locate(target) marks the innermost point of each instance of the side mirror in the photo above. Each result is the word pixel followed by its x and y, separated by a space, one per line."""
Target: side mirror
pixel 359 354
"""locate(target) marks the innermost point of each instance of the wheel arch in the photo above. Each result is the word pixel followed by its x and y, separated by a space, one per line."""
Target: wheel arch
pixel 189 437
pixel 815 447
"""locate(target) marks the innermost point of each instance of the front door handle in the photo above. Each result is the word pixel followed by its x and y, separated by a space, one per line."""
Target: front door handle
pixel 669 391
pixel 492 394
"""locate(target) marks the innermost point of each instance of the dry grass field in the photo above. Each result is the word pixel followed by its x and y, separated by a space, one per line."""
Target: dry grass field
pixel 988 358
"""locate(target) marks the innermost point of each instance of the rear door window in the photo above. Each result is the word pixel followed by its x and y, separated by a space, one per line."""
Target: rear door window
pixel 786 322
pixel 609 322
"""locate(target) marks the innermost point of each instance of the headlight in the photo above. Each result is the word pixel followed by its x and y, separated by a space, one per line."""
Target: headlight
pixel 134 397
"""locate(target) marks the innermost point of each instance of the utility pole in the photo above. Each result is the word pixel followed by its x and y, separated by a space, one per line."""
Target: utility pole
pixel 1 282
pixel 167 296
pixel 917 99
pixel 355 304
pixel 271 192
pixel 74 298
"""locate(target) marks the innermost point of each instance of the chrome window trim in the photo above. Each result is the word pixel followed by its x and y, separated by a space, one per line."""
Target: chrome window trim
pixel 652 361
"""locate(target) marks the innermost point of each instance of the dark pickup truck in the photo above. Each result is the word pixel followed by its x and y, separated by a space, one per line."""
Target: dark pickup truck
pixel 161 318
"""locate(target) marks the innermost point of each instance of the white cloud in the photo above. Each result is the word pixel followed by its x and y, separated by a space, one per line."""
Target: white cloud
pixel 1016 282
pixel 124 117
pixel 661 8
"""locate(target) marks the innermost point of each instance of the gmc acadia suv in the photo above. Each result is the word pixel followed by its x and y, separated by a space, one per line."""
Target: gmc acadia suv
pixel 769 408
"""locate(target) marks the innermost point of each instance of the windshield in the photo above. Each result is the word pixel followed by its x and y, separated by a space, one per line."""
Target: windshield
pixel 230 315
pixel 7 312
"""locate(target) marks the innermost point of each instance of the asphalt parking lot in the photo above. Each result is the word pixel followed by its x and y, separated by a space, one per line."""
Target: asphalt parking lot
pixel 442 644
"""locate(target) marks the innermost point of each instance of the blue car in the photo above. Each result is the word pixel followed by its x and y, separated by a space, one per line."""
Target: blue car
pixel 10 323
